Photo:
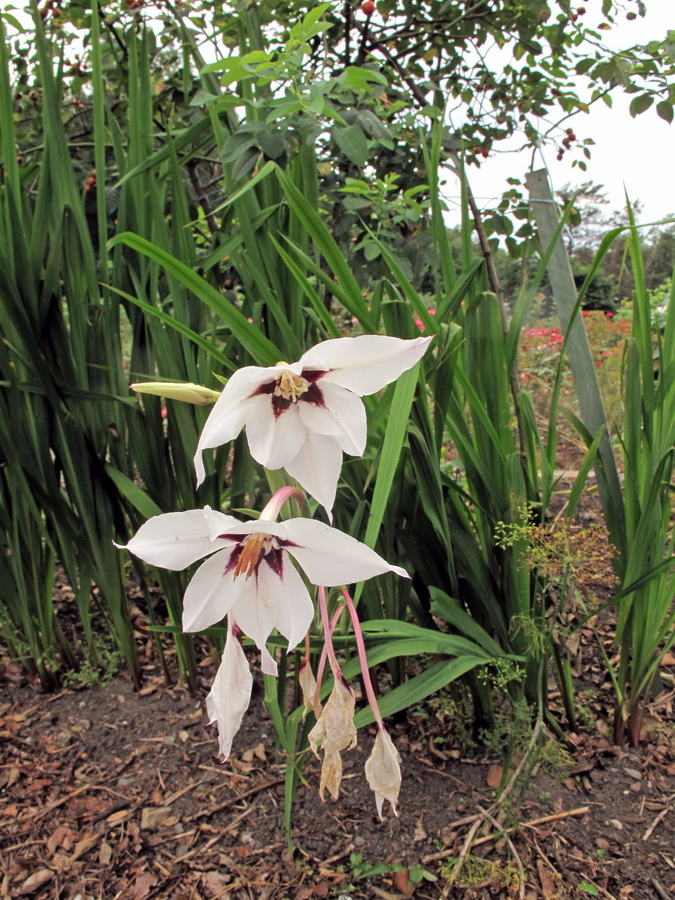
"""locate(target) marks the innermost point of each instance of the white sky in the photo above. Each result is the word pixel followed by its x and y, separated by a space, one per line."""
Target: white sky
pixel 636 153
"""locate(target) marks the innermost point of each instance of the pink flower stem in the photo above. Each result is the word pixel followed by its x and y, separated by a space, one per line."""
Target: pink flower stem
pixel 328 649
pixel 361 647
pixel 273 508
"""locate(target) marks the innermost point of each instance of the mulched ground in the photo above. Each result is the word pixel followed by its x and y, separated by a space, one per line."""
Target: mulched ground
pixel 109 793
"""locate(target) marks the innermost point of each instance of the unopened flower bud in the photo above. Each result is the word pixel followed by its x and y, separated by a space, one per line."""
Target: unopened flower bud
pixel 383 771
pixel 185 391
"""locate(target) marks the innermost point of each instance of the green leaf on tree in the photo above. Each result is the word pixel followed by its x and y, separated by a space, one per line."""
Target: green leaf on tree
pixel 352 142
pixel 664 109
pixel 640 104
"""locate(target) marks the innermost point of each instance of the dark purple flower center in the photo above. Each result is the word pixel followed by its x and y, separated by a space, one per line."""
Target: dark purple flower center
pixel 254 549
pixel 289 388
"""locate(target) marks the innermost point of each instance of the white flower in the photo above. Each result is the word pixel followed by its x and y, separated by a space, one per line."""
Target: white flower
pixel 249 572
pixel 230 692
pixel 302 416
pixel 383 771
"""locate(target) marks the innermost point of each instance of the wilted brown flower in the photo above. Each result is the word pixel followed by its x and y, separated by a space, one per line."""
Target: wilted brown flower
pixel 335 732
pixel 383 771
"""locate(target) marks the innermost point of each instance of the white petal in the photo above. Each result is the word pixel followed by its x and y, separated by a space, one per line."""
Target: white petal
pixel 281 603
pixel 343 417
pixel 292 605
pixel 364 364
pixel 228 416
pixel 235 527
pixel 218 523
pixel 267 662
pixel 211 594
pixel 174 540
pixel 274 440
pixel 329 557
pixel 230 693
pixel 317 468
pixel 255 619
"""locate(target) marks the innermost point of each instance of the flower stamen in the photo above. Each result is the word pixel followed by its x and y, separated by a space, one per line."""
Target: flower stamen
pixel 290 386
pixel 250 554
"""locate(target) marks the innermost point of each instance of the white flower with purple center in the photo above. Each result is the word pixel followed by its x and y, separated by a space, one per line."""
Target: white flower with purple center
pixel 302 416
pixel 249 572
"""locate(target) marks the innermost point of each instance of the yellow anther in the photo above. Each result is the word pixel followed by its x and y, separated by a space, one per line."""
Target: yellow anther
pixel 250 554
pixel 290 386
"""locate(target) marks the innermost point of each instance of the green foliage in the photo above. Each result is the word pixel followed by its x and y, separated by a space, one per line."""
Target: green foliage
pixel 88 675
pixel 470 871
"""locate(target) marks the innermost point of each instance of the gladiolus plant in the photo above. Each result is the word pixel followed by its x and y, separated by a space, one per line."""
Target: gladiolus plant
pixel 300 417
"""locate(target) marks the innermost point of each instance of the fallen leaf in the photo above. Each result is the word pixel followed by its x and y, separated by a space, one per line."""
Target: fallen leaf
pixel 494 776
pixel 153 816
pixel 144 883
pixel 36 881
pixel 119 816
pixel 216 882
pixel 650 727
pixel 170 821
pixel 105 853
pixel 548 882
pixel 58 838
pixel 84 846
pixel 402 884
pixel 420 831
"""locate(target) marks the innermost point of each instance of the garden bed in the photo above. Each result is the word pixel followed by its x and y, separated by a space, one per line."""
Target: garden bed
pixel 108 793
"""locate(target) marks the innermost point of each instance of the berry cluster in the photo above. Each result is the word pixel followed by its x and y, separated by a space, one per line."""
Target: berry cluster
pixel 567 141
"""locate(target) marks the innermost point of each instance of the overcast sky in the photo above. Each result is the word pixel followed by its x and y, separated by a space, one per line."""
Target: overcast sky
pixel 638 153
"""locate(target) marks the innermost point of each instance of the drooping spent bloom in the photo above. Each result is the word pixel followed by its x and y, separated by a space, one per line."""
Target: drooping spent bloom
pixel 230 692
pixel 249 571
pixel 383 770
pixel 302 416
pixel 335 732
pixel 307 685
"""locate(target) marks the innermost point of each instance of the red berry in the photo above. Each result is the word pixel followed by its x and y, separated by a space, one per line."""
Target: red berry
pixel 368 7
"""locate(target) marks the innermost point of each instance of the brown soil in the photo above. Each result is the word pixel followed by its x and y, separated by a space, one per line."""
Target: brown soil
pixel 108 793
